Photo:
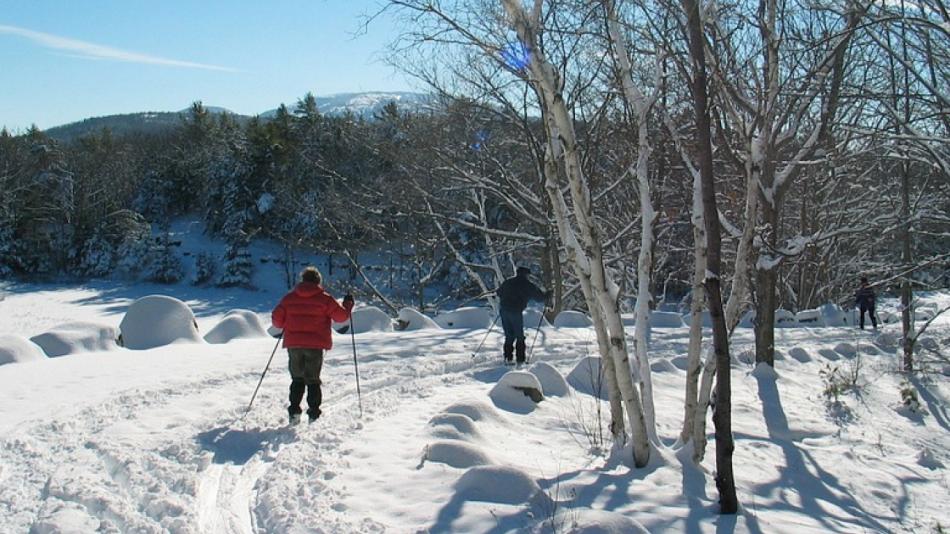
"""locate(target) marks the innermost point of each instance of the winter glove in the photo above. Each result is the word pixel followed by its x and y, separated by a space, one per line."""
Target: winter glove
pixel 348 301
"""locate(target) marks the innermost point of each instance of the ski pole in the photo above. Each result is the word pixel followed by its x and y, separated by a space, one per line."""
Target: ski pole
pixel 261 381
pixel 356 366
pixel 536 332
pixel 484 339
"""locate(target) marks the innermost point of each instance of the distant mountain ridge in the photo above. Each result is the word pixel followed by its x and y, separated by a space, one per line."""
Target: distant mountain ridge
pixel 365 105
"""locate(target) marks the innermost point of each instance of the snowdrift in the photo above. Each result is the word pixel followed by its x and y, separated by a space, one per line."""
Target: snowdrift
pixel 517 391
pixel 587 377
pixel 73 338
pixel 17 349
pixel 158 320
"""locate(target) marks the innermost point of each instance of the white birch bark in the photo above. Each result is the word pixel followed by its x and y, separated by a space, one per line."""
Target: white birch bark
pixel 588 253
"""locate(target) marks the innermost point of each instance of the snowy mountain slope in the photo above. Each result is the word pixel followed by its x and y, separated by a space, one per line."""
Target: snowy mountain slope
pixel 150 441
pixel 366 104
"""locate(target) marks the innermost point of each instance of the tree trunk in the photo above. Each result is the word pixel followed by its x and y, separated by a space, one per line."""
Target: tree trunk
pixel 722 414
pixel 696 306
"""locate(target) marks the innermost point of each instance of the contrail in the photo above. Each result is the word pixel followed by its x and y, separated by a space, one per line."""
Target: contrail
pixel 87 50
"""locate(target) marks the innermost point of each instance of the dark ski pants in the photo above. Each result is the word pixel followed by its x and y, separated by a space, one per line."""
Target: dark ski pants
pixel 305 366
pixel 512 322
pixel 870 311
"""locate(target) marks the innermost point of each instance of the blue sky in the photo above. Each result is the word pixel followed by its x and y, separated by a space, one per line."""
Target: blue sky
pixel 66 60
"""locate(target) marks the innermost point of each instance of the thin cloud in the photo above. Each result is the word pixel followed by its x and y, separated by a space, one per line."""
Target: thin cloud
pixel 93 51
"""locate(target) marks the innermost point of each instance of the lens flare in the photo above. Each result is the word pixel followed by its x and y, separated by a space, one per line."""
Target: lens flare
pixel 516 55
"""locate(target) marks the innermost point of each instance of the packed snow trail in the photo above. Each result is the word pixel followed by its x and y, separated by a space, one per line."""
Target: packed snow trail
pixel 174 456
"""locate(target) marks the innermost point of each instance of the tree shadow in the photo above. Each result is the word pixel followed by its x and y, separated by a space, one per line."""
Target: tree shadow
pixel 820 493
pixel 934 405
pixel 237 447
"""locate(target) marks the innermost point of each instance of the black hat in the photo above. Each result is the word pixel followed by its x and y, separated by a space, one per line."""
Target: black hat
pixel 523 270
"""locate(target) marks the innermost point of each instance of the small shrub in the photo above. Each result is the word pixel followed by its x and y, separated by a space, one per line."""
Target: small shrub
pixel 909 397
pixel 205 268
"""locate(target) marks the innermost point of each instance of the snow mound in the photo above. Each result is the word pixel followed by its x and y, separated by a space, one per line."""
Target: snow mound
pixel 17 349
pixel 589 521
pixel 784 319
pixel 410 319
pixel 661 319
pixel 236 325
pixel 808 318
pixel 888 341
pixel 474 410
pixel 846 349
pixel 552 382
pixel 517 391
pixel 73 338
pixel 923 314
pixel 662 366
pixel 833 315
pixel 158 320
pixel 800 354
pixel 456 454
pixel 572 319
pixel 462 426
pixel 533 319
pixel 829 354
pixel 764 371
pixel 680 362
pixel 498 484
pixel 748 319
pixel 368 319
pixel 468 318
pixel 588 377
pixel 887 317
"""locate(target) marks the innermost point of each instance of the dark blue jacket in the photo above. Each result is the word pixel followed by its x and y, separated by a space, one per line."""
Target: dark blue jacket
pixel 515 293
pixel 864 297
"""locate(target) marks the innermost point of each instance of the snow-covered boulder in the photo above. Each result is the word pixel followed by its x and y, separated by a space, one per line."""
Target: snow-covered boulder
pixel 833 315
pixel 475 410
pixel 73 338
pixel 499 484
pixel 588 377
pixel 887 317
pixel 456 453
pixel 410 319
pixel 923 314
pixel 662 365
pixel 237 324
pixel 552 382
pixel 572 319
pixel 846 349
pixel 808 318
pixel 800 355
pixel 784 319
pixel 18 349
pixel 158 320
pixel 748 319
pixel 662 319
pixel 467 318
pixel 367 319
pixel 517 391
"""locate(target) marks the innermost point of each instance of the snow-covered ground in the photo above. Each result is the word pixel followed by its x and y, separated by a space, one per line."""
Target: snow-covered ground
pixel 152 440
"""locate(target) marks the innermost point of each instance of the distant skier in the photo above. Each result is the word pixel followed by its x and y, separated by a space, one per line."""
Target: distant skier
pixel 514 295
pixel 305 315
pixel 864 300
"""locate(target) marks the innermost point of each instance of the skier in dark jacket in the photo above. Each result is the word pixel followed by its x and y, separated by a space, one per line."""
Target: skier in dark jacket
pixel 864 301
pixel 514 295
pixel 305 315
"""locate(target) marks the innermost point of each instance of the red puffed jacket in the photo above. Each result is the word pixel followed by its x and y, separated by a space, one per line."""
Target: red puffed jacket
pixel 305 315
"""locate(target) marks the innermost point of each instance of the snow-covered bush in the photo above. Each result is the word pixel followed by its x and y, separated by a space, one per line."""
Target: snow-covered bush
pixel 163 265
pixel 367 319
pixel 470 317
pixel 910 400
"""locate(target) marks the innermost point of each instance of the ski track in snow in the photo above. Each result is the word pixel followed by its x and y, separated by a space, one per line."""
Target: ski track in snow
pixel 231 478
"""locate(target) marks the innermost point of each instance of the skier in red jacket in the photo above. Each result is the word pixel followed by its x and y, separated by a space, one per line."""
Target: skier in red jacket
pixel 305 315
